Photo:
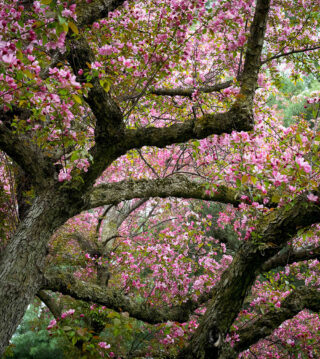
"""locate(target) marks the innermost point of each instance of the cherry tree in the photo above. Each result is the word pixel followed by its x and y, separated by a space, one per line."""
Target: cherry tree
pixel 106 104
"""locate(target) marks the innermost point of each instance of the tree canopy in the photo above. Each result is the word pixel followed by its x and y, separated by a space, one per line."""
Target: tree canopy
pixel 160 176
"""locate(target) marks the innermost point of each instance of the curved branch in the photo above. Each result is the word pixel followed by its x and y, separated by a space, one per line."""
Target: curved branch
pixel 65 283
pixel 237 119
pixel 85 244
pixel 109 128
pixel 180 91
pixel 299 299
pixel 173 186
pixel 289 256
pixel 272 233
pixel 131 208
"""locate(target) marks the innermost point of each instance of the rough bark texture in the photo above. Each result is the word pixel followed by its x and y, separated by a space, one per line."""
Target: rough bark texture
pixel 21 149
pixel 52 304
pixel 97 9
pixel 249 76
pixel 173 186
pixel 114 299
pixel 237 119
pixel 22 262
pixel 189 91
pixel 289 255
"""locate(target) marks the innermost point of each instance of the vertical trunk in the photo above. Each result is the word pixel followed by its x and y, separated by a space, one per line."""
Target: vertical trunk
pixel 23 260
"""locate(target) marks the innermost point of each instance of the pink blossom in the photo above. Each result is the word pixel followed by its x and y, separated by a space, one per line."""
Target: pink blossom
pixel 311 197
pixel 67 313
pixel 9 58
pixel 104 345
pixel 107 50
pixel 52 323
pixel 66 13
pixel 64 176
pixel 303 164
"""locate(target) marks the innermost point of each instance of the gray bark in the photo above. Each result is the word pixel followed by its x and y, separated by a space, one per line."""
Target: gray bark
pixel 174 186
pixel 189 91
pixel 114 299
pixel 23 260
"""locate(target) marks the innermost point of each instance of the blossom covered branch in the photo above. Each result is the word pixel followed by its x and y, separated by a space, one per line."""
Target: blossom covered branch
pixel 115 299
pixel 296 301
pixel 272 233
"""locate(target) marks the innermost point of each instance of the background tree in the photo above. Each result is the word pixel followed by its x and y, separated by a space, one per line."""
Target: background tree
pixel 85 87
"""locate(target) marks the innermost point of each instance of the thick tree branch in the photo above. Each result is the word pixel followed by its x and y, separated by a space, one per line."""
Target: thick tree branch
pixel 180 91
pixel 95 10
pixel 56 308
pixel 85 244
pixel 109 128
pixel 272 233
pixel 237 119
pixel 20 148
pixel 112 140
pixel 114 299
pixel 173 186
pixel 252 63
pixel 299 299
pixel 289 256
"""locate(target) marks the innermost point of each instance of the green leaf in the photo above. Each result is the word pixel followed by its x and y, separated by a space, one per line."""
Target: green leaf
pixel 298 138
pixel 106 84
pixel 66 328
pixel 46 2
pixel 28 74
pixel 253 179
pixel 74 340
pixel 77 98
pixel 74 156
pixel 275 198
pixel 65 27
pixel 244 179
pixel 62 20
pixel 73 27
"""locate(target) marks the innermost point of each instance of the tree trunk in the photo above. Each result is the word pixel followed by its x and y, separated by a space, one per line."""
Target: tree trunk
pixel 22 262
pixel 209 339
